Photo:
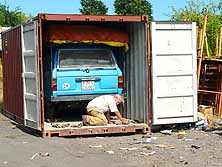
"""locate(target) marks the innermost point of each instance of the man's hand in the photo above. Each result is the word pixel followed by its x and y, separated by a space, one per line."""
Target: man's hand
pixel 124 121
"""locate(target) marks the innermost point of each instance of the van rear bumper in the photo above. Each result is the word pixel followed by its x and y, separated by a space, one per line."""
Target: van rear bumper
pixel 75 98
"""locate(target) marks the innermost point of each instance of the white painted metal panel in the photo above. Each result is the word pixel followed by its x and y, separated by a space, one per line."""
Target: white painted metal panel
pixel 174 91
pixel 32 108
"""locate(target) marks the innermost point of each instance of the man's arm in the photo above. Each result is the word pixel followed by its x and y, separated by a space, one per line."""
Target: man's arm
pixel 119 116
pixel 108 117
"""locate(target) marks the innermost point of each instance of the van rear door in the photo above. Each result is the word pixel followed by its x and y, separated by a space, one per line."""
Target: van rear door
pixel 86 71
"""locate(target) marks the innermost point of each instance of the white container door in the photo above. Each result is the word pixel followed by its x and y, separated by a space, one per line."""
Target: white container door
pixel 174 80
pixel 32 109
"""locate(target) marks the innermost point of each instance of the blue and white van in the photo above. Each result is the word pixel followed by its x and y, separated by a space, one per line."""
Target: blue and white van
pixel 84 73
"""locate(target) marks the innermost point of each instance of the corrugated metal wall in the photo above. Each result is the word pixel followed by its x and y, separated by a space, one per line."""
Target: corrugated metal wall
pixel 136 74
pixel 12 74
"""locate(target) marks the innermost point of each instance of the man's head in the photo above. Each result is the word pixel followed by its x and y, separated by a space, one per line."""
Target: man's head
pixel 118 99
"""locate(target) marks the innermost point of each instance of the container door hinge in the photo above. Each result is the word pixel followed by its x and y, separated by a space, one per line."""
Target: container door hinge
pixel 40 61
pixel 41 95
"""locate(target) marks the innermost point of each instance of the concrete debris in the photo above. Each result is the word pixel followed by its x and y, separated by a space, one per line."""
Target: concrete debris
pixel 110 152
pixel 13 126
pixel 154 138
pixel 219 132
pixel 40 154
pixel 36 154
pixel 166 132
pixel 165 146
pixel 148 135
pixel 129 149
pixel 147 147
pixel 149 153
pixel 96 146
pixel 148 141
pixel 188 139
pixel 124 148
pixel 99 137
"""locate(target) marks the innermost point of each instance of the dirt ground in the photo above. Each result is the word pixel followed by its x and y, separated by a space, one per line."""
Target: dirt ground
pixel 19 147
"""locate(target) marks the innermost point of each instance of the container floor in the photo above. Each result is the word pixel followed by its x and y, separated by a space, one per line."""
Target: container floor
pixel 68 122
pixel 73 128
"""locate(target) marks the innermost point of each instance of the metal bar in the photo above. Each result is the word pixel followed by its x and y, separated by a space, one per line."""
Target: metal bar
pixel 87 18
pixel 75 98
pixel 149 113
pixel 41 77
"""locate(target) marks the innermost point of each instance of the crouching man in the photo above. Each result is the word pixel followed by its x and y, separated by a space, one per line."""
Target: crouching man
pixel 98 107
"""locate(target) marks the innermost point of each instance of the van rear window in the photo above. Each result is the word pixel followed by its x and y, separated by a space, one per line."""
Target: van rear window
pixel 77 58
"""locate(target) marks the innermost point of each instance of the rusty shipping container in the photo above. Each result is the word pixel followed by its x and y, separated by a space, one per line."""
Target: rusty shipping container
pixel 151 81
pixel 25 61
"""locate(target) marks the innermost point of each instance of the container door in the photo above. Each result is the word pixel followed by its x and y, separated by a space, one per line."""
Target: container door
pixel 32 108
pixel 174 80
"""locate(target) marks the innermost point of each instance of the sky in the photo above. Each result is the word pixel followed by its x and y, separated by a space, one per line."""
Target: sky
pixel 161 8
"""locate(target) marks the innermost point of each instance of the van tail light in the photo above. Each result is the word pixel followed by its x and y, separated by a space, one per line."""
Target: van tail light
pixel 54 84
pixel 120 81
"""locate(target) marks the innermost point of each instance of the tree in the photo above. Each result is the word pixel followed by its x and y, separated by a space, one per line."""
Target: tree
pixel 195 11
pixel 93 7
pixel 11 18
pixel 133 7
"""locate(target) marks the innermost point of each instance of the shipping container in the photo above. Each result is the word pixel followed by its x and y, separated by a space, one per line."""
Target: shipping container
pixel 27 65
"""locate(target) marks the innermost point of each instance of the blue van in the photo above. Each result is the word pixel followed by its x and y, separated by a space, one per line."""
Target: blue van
pixel 84 73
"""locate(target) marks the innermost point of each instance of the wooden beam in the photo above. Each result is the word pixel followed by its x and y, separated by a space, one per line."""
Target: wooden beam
pixel 220 42
pixel 200 52
pixel 217 44
pixel 220 89
pixel 208 91
pixel 207 48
